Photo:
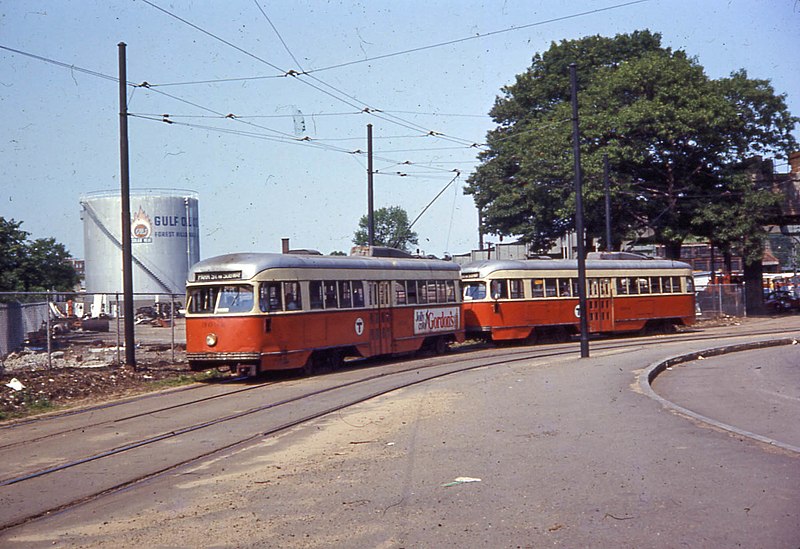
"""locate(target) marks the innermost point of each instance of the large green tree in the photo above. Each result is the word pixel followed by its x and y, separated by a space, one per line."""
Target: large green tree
pixel 675 140
pixel 392 229
pixel 32 265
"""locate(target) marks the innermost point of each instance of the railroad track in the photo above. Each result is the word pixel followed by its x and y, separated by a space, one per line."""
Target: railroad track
pixel 43 471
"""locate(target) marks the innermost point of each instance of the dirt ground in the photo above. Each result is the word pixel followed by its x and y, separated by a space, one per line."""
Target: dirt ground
pixel 84 368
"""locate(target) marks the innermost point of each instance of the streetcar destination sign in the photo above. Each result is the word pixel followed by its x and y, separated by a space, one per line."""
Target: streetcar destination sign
pixel 212 277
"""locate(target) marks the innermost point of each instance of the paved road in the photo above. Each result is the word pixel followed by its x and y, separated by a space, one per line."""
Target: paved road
pixel 563 452
pixel 754 392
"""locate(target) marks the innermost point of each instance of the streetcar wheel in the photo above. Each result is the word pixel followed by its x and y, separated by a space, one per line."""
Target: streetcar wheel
pixel 335 359
pixel 311 366
pixel 440 346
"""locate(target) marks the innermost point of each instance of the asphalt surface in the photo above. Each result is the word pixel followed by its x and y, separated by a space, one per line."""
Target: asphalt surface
pixel 753 392
pixel 563 452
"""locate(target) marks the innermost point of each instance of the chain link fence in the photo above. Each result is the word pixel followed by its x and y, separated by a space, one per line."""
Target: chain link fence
pixel 43 322
pixel 716 300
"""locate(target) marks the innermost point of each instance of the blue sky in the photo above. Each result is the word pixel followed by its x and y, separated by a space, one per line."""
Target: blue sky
pixel 258 180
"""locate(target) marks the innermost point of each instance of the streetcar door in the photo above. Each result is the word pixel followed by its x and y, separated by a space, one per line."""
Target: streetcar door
pixel 380 318
pixel 601 317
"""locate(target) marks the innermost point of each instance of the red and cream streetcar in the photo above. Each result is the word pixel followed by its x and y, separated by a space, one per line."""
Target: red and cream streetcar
pixel 525 299
pixel 260 311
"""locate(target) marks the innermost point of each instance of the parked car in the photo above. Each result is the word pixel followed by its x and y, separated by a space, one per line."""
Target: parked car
pixel 781 301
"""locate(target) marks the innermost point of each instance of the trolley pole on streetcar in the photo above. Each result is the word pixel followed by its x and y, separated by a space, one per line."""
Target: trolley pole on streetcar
pixel 127 261
pixel 370 204
pixel 584 313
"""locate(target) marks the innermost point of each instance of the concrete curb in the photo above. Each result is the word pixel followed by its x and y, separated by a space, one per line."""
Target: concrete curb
pixel 651 373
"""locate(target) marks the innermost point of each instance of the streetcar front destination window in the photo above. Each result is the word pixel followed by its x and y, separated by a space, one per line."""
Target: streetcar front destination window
pixel 221 299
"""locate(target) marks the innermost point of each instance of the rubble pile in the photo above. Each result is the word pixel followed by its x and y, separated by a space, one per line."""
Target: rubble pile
pixel 81 374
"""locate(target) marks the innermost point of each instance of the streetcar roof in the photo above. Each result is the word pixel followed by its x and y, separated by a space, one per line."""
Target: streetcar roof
pixel 249 264
pixel 486 267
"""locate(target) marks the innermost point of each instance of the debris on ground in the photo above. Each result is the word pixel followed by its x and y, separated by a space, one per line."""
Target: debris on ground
pixel 84 374
pixel 460 480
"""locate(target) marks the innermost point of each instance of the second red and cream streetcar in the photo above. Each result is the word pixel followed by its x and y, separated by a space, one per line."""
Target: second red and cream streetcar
pixel 525 299
pixel 262 311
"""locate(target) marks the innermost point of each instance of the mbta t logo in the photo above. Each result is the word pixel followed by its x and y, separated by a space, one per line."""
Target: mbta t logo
pixel 359 326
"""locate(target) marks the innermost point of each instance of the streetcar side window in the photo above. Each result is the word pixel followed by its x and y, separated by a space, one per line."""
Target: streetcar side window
pixel 331 301
pixel 422 286
pixel 564 287
pixel 431 285
pixel 537 287
pixel 294 301
pixel 627 286
pixel 441 292
pixel 644 285
pixel 474 290
pixel 358 294
pixel 399 292
pixel 203 299
pixel 235 299
pixel 269 297
pixel 411 291
pixel 428 291
pixel 516 288
pixel 451 291
pixel 550 289
pixel 499 289
pixel 672 284
pixel 655 284
pixel 689 284
pixel 317 294
pixel 345 294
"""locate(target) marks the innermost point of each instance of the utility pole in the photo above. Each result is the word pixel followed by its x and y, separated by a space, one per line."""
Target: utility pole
pixel 573 78
pixel 125 192
pixel 370 203
pixel 607 184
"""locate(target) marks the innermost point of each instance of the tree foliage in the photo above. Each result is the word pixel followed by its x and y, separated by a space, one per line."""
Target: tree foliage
pixel 32 265
pixel 675 140
pixel 391 229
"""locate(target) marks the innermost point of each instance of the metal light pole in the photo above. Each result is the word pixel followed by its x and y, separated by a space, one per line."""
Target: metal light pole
pixel 127 261
pixel 607 185
pixel 573 78
pixel 370 204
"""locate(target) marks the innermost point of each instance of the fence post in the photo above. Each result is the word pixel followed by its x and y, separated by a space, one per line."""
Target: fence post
pixel 116 307
pixel 48 329
pixel 172 323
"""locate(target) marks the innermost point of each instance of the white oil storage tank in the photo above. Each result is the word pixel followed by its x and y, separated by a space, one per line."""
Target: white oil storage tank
pixel 165 240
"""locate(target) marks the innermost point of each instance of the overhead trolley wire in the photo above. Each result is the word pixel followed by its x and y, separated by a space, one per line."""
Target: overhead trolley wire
pixel 279 136
pixel 477 36
pixel 60 64
pixel 214 36
pixel 342 96
pixel 274 28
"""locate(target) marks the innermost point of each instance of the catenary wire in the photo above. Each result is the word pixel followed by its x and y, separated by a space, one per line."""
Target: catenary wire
pixel 342 96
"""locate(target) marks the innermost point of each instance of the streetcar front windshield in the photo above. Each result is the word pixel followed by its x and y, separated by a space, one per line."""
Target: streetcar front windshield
pixel 474 290
pixel 221 299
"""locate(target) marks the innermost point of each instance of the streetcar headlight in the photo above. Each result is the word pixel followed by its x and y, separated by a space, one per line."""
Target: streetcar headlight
pixel 211 340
